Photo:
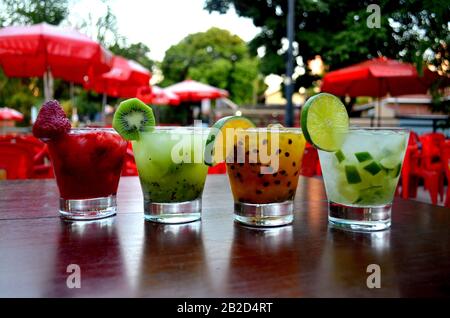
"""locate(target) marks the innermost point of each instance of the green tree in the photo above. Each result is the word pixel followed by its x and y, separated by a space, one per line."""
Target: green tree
pixel 20 94
pixel 103 28
pixel 411 30
pixel 136 51
pixel 34 11
pixel 216 57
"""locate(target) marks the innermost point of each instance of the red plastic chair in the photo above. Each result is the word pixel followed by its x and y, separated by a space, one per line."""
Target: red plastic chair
pixel 413 139
pixel 28 140
pixel 446 160
pixel 431 157
pixel 43 168
pixel 412 172
pixel 129 166
pixel 41 161
pixel 310 162
pixel 318 168
pixel 16 160
pixel 220 168
pixel 410 183
pixel 411 191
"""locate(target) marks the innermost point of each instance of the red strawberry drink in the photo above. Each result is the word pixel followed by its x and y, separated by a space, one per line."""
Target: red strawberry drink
pixel 87 164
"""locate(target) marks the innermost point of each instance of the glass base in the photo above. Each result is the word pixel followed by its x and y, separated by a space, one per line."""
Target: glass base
pixel 88 209
pixel 353 218
pixel 264 215
pixel 172 213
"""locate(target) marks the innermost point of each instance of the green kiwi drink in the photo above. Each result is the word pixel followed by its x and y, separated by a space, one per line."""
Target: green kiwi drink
pixel 170 162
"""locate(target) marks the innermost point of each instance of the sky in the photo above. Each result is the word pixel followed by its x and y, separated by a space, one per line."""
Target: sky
pixel 162 23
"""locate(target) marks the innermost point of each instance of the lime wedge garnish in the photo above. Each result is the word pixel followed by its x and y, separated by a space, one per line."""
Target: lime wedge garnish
pixel 325 121
pixel 216 144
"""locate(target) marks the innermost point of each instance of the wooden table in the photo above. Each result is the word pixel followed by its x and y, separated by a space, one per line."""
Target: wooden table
pixel 126 256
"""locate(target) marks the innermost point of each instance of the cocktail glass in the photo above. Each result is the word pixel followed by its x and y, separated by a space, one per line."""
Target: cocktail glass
pixel 87 163
pixel 361 178
pixel 263 169
pixel 172 172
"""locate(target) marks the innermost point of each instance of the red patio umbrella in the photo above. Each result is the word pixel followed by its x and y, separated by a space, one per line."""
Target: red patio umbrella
pixel 161 96
pixel 10 114
pixel 377 77
pixel 144 93
pixel 50 51
pixel 124 79
pixel 193 91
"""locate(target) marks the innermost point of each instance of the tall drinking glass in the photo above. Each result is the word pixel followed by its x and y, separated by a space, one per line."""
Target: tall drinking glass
pixel 263 173
pixel 172 172
pixel 361 178
pixel 87 163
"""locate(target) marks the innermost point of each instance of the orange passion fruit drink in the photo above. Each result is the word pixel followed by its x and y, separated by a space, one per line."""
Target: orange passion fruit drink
pixel 263 166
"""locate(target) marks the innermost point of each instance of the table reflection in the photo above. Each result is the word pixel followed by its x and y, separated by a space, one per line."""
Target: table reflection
pixel 343 265
pixel 266 240
pixel 378 241
pixel 90 245
pixel 262 258
pixel 173 256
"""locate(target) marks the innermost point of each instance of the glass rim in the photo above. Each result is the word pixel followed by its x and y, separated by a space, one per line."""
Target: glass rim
pixel 91 128
pixel 296 130
pixel 379 128
pixel 81 129
pixel 181 129
pixel 157 128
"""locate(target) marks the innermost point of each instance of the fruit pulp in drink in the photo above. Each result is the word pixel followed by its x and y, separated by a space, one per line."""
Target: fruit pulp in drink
pixel 87 162
pixel 170 164
pixel 270 167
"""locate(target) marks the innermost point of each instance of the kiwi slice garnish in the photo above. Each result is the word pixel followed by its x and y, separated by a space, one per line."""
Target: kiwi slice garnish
pixel 133 117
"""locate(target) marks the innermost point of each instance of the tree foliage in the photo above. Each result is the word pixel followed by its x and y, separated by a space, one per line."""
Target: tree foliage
pixel 216 57
pixel 22 93
pixel 135 51
pixel 410 30
pixel 19 94
pixel 33 11
pixel 102 28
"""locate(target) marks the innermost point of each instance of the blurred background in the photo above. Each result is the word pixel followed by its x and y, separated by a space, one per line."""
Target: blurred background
pixel 388 61
pixel 242 47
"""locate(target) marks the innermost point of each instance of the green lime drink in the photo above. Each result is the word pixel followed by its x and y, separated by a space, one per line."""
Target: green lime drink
pixel 361 177
pixel 172 172
pixel 360 166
